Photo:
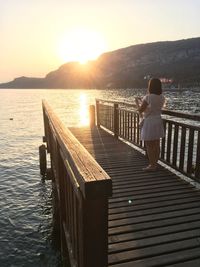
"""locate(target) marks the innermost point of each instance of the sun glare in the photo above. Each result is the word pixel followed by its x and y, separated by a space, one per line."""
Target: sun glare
pixel 81 45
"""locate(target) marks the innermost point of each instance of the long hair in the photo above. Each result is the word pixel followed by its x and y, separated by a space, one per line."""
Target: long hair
pixel 155 86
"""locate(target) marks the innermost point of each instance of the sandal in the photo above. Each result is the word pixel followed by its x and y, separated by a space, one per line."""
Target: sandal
pixel 149 169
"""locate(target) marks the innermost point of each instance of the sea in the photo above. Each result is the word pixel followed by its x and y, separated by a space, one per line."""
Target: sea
pixel 25 199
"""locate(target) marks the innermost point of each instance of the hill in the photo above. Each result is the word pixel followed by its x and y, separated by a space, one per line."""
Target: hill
pixel 125 68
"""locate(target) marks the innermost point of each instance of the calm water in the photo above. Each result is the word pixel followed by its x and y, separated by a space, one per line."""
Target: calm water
pixel 25 201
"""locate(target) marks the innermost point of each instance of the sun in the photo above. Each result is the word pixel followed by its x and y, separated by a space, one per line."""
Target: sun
pixel 81 45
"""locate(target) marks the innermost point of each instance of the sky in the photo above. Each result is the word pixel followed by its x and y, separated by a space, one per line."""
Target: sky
pixel 38 36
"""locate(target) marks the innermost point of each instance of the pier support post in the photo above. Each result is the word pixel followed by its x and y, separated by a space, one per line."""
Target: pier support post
pixel 43 159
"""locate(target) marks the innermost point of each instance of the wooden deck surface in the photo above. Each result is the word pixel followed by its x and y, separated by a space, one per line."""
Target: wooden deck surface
pixel 154 217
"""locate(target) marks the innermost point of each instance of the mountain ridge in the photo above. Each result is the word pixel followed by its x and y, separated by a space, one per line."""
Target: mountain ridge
pixel 125 68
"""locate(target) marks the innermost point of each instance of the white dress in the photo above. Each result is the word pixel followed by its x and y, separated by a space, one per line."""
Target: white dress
pixel 152 128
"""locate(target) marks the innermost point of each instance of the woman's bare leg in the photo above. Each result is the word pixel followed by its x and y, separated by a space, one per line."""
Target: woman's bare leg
pixel 153 151
pixel 157 152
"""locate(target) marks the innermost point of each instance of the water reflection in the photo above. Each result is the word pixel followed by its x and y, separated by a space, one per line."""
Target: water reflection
pixel 84 113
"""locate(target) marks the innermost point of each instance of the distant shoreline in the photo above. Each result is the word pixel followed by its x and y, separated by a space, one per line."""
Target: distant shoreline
pixel 177 61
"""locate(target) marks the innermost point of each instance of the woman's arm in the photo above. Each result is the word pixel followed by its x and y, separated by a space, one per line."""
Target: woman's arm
pixel 142 106
pixel 138 101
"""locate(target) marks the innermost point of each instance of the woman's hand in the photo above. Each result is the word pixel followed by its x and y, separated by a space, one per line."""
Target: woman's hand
pixel 138 101
pixel 141 104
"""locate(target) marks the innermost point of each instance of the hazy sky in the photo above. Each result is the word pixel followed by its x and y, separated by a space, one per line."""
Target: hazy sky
pixel 34 33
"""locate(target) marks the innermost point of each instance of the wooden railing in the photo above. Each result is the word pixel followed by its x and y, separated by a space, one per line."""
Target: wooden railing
pixel 180 148
pixel 81 196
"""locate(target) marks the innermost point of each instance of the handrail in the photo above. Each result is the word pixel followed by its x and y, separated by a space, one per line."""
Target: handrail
pixel 195 117
pixel 116 102
pixel 88 171
pixel 82 188
pixel 183 115
pixel 180 148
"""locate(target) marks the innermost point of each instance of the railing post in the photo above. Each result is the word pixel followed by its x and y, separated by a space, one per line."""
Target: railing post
pixel 94 234
pixel 116 120
pixel 92 115
pixel 97 113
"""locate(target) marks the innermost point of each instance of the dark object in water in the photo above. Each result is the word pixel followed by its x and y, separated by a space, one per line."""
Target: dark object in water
pixel 42 160
pixel 11 119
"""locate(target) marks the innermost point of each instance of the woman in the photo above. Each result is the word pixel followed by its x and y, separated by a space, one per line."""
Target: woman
pixel 152 129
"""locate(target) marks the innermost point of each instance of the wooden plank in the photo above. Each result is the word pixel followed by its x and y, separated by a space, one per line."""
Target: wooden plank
pixel 154 240
pixel 166 204
pixel 175 145
pixel 123 186
pixel 152 251
pixel 182 149
pixel 131 127
pixel 139 180
pixel 190 151
pixel 97 113
pixel 146 191
pixel 139 200
pixel 116 121
pixel 163 142
pixel 150 195
pixel 120 122
pixel 124 122
pixel 165 259
pixel 141 218
pixel 144 225
pixel 151 232
pixel 134 127
pixel 197 167
pixel 169 139
pixel 137 129
pixel 195 262
pixel 151 211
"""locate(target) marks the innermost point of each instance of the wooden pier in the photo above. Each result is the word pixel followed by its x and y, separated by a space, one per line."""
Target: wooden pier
pixel 108 211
